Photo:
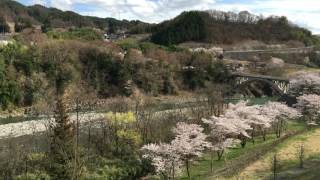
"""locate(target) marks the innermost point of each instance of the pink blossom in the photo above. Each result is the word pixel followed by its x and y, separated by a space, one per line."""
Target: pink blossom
pixel 190 141
pixel 163 158
pixel 304 82
pixel 309 104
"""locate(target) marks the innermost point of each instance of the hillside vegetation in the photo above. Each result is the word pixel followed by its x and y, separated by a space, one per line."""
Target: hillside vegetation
pixel 48 18
pixel 74 105
pixel 29 73
pixel 226 28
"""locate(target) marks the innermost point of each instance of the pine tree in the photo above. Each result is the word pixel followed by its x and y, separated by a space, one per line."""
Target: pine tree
pixel 61 150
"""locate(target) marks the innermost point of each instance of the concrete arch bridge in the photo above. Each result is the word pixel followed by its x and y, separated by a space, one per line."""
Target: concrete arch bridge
pixel 259 85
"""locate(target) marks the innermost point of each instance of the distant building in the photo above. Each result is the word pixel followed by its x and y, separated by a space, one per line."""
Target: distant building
pixel 11 26
pixel 37 27
pixel 216 52
pixel 5 39
pixel 119 35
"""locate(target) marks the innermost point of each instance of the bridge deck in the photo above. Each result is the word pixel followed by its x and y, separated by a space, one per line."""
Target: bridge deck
pixel 260 77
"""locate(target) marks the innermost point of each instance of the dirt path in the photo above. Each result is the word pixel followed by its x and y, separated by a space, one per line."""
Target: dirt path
pixel 288 151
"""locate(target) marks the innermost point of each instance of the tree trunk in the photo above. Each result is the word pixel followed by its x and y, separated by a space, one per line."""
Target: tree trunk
pixel 301 156
pixel 275 166
pixel 264 135
pixel 211 162
pixel 89 141
pixel 188 169
pixel 220 154
pixel 173 170
pixel 252 135
pixel 243 142
pixel 165 177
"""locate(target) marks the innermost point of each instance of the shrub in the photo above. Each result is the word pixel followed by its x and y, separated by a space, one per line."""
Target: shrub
pixel 33 176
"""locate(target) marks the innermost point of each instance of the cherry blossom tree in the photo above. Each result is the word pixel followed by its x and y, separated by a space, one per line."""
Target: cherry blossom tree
pixel 279 113
pixel 228 125
pixel 221 146
pixel 309 105
pixel 305 83
pixel 163 158
pixel 189 142
pixel 262 123
pixel 220 137
pixel 250 115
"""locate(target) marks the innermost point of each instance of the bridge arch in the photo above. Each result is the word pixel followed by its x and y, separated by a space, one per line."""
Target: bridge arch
pixel 267 87
pixel 270 85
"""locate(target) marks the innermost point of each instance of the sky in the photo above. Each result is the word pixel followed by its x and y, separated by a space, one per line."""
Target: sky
pixel 305 13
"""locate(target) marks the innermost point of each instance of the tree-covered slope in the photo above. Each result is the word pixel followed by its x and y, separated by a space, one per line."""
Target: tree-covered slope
pixel 189 26
pixel 26 16
pixel 228 27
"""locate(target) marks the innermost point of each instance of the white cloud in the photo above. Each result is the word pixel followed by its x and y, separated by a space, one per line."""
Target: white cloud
pixel 146 10
pixel 62 4
pixel 305 13
pixel 41 2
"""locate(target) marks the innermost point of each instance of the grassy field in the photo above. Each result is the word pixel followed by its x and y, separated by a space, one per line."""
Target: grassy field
pixel 309 172
pixel 201 168
pixel 287 154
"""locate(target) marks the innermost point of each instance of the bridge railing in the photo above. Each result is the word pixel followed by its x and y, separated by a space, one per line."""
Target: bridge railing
pixel 257 76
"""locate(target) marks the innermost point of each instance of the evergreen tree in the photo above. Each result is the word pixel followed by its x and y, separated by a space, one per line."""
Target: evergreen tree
pixel 61 149
pixel 4 27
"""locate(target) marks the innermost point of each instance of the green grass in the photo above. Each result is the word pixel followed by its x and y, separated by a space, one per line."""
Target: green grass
pixel 76 33
pixel 201 168
pixel 296 126
pixel 290 169
pixel 300 138
pixel 128 43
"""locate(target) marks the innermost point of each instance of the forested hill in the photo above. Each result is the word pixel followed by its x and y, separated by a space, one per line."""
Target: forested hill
pixel 227 27
pixel 26 16
pixel 203 26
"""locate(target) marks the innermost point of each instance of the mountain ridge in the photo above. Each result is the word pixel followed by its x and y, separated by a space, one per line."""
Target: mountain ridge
pixel 26 16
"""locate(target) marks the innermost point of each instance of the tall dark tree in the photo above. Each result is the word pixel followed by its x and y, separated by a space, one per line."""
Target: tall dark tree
pixel 4 27
pixel 62 149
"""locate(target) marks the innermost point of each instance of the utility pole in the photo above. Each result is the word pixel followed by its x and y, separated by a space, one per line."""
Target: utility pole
pixel 77 122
